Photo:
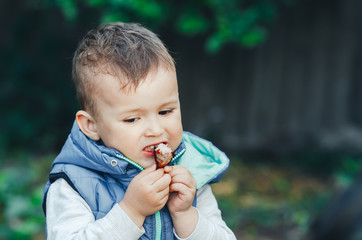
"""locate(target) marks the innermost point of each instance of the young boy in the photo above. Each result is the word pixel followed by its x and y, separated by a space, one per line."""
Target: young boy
pixel 104 183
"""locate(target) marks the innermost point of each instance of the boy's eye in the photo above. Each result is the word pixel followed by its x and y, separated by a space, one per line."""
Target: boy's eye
pixel 165 112
pixel 130 120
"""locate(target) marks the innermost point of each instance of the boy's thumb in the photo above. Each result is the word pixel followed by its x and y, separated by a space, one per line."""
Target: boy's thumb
pixel 149 169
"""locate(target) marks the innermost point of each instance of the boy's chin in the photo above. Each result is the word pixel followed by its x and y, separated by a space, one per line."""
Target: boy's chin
pixel 148 164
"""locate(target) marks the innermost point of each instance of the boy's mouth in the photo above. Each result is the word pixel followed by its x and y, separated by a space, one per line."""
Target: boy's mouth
pixel 151 148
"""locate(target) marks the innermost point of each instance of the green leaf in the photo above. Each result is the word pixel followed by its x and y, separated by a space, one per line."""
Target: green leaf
pixel 253 38
pixel 16 206
pixel 69 9
pixel 214 44
pixel 96 3
pixel 114 16
pixel 191 23
pixel 148 9
pixel 28 228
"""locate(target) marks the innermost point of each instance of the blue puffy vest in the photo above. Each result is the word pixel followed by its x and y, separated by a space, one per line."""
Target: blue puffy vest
pixel 101 175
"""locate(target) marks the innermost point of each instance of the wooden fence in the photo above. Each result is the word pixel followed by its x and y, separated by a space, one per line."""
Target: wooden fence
pixel 302 88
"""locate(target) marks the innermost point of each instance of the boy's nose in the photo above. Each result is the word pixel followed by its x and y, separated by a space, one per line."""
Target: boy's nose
pixel 154 129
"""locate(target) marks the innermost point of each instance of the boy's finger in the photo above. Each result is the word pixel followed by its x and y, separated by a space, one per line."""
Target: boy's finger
pixel 168 169
pixel 154 176
pixel 184 179
pixel 164 196
pixel 179 187
pixel 177 170
pixel 146 171
pixel 174 170
pixel 163 183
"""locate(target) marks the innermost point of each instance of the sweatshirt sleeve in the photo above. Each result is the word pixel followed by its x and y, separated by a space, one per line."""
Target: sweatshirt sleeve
pixel 68 217
pixel 210 225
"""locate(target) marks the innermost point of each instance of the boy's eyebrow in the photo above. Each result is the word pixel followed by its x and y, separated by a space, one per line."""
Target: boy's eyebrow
pixel 174 101
pixel 132 110
pixel 127 111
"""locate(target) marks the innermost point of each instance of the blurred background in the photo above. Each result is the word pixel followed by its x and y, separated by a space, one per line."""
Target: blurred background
pixel 276 84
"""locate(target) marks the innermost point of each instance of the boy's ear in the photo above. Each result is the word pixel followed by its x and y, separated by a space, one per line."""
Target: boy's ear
pixel 87 124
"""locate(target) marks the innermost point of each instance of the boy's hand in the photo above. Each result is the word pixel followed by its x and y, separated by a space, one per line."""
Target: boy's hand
pixel 182 189
pixel 146 194
pixel 182 193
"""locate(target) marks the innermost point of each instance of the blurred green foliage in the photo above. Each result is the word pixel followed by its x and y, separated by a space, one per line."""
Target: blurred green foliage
pixel 22 179
pixel 262 200
pixel 38 38
pixel 224 21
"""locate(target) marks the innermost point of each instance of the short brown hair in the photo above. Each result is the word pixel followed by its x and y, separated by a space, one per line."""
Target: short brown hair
pixel 126 47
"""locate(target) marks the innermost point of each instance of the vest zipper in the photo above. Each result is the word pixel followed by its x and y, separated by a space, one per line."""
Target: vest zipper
pixel 130 161
pixel 158 225
pixel 158 220
pixel 178 155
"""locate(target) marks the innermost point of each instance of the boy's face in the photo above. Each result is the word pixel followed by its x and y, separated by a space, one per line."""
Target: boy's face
pixel 132 121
